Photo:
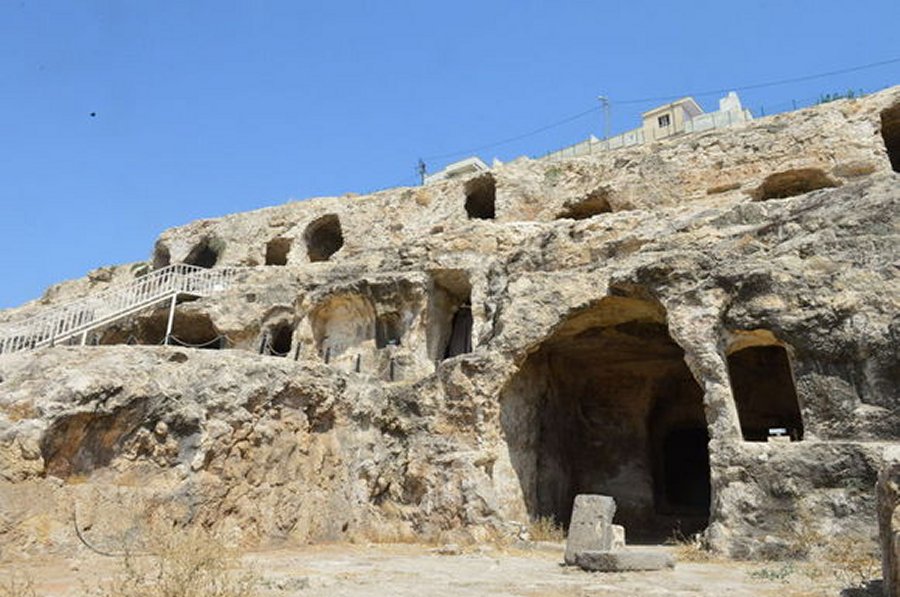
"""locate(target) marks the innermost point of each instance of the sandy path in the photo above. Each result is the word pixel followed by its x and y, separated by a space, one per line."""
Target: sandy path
pixel 415 570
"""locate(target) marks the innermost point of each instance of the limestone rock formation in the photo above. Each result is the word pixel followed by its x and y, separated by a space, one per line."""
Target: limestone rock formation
pixel 704 328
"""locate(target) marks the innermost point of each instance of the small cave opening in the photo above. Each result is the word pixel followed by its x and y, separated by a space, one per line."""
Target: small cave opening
pixel 279 340
pixel 388 330
pixel 594 204
pixel 607 405
pixel 204 254
pixel 450 320
pixel 791 183
pixel 277 251
pixel 890 132
pixel 763 388
pixel 190 329
pixel 324 237
pixel 481 198
pixel 460 339
pixel 161 256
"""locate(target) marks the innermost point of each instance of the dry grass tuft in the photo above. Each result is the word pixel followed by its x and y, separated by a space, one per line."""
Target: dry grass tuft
pixel 853 561
pixel 187 563
pixel 546 528
pixel 19 585
pixel 850 561
pixel 690 548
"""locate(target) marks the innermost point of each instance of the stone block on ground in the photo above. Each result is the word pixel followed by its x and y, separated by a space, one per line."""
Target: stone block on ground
pixel 591 526
pixel 625 560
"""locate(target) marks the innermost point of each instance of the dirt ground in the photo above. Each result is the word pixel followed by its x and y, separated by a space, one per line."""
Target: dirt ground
pixel 415 570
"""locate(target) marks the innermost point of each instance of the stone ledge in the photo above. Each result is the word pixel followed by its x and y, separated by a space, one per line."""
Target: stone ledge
pixel 624 561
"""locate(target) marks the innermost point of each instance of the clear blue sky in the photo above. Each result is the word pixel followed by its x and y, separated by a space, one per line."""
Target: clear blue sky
pixel 207 107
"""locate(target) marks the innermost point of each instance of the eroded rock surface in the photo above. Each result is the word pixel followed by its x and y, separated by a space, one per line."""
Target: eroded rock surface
pixel 705 329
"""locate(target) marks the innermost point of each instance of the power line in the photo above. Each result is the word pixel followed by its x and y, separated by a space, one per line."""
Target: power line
pixel 832 73
pixel 511 139
pixel 663 99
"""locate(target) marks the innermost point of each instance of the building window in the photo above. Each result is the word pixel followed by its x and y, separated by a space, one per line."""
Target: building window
pixel 663 121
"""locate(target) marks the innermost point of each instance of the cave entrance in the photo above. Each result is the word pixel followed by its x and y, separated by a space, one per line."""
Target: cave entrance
pixel 890 132
pixel 279 340
pixel 204 254
pixel 460 340
pixel 388 330
pixel 763 388
pixel 277 251
pixel 481 197
pixel 607 405
pixel 161 256
pixel 191 329
pixel 450 320
pixel 324 238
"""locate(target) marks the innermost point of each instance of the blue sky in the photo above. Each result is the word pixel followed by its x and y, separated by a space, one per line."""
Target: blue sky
pixel 208 107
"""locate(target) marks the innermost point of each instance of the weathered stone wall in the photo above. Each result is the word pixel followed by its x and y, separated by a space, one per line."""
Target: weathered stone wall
pixel 710 251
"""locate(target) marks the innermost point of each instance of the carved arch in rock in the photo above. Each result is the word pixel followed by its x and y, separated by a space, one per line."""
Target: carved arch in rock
pixel 762 383
pixel 607 405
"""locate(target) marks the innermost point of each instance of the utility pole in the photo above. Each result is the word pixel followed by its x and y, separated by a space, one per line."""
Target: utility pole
pixel 604 101
pixel 421 170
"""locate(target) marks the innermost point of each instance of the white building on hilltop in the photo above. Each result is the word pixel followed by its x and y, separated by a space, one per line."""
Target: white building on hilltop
pixel 676 118
pixel 463 168
pixel 681 116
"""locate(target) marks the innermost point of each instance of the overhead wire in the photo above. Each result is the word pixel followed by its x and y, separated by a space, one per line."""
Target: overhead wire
pixel 516 138
pixel 775 83
pixel 663 99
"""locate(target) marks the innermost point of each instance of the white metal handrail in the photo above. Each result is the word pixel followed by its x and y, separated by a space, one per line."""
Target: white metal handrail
pixel 83 315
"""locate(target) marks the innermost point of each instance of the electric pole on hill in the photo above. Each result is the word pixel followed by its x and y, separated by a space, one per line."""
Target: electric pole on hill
pixel 421 170
pixel 605 102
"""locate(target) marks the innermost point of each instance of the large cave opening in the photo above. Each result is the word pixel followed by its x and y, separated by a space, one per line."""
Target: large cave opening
pixel 607 405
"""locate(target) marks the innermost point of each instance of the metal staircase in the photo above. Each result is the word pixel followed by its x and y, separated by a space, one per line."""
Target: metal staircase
pixel 78 318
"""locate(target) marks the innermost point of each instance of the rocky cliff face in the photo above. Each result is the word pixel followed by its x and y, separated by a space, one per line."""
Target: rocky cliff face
pixel 705 329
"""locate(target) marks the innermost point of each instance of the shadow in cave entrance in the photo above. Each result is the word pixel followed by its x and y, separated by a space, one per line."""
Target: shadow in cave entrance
pixel 607 405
